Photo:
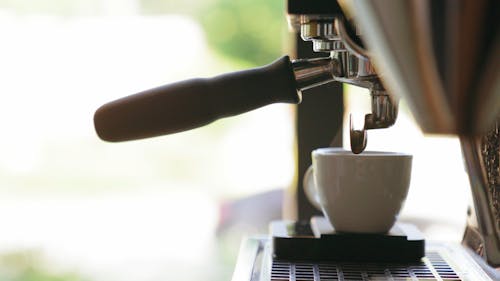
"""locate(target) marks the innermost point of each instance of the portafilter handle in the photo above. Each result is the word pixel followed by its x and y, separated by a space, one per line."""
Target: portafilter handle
pixel 196 102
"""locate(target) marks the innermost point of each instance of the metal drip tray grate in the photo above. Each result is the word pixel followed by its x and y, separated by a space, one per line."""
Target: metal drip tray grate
pixel 432 268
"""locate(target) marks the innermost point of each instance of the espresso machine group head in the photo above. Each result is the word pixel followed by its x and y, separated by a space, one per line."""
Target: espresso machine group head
pixel 440 56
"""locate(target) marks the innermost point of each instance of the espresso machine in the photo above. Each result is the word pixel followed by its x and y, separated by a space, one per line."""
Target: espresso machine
pixel 440 56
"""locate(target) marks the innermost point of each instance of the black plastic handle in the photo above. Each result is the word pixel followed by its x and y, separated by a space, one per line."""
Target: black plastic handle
pixel 196 102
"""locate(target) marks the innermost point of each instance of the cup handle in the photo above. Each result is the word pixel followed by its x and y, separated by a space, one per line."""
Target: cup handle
pixel 310 188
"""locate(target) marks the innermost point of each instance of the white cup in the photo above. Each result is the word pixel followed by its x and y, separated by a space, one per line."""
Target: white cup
pixel 361 193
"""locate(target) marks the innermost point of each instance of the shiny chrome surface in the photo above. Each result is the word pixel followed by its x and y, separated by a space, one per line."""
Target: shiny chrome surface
pixel 310 73
pixel 327 46
pixel 356 71
pixel 318 29
pixel 321 31
pixel 440 56
pixel 444 261
pixel 384 114
pixel 340 29
pixel 348 68
pixel 384 111
pixel 328 34
pixel 341 67
pixel 348 63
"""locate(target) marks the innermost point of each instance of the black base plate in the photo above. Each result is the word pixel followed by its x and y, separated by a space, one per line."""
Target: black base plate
pixel 317 241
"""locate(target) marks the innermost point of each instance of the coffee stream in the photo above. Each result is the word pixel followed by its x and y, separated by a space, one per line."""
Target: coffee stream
pixel 357 137
pixel 358 141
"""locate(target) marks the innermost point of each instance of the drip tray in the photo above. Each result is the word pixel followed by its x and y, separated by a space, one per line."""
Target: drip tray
pixel 432 267
pixel 318 241
pixel 442 262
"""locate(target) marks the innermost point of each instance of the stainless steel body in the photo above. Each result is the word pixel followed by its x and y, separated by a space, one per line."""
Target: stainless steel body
pixel 443 262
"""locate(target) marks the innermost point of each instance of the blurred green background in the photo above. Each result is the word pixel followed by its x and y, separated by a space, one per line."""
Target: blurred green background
pixel 246 31
pixel 54 164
